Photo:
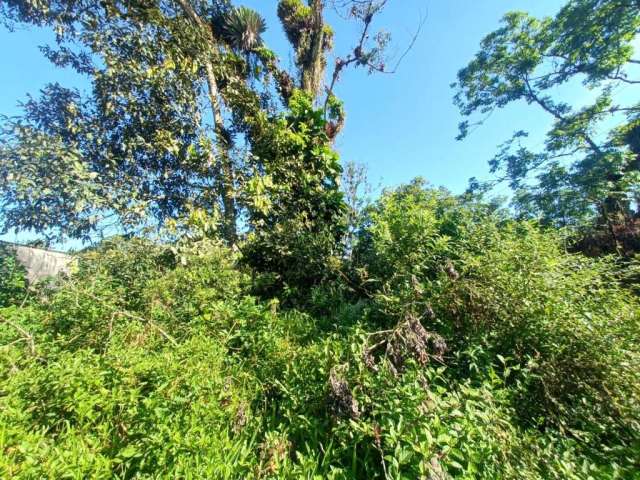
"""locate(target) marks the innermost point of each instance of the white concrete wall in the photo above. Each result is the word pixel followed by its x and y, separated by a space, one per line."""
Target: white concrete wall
pixel 41 263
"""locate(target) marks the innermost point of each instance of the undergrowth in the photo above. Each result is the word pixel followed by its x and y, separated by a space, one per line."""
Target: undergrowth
pixel 455 343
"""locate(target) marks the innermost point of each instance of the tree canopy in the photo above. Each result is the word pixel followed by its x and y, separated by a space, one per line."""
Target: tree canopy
pixel 588 168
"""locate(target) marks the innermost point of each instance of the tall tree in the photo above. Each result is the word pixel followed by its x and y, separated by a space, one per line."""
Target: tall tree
pixel 138 147
pixel 227 176
pixel 583 173
pixel 297 214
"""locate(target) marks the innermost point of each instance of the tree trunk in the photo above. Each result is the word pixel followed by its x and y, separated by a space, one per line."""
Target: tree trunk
pixel 313 70
pixel 612 230
pixel 226 167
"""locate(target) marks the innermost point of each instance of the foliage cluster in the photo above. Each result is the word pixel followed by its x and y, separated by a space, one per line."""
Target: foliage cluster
pixel 13 283
pixel 298 210
pixel 587 170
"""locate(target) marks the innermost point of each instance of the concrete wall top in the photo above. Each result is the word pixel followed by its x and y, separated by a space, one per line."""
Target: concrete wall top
pixel 40 263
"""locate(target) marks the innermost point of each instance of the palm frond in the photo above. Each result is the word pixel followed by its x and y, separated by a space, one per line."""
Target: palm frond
pixel 243 29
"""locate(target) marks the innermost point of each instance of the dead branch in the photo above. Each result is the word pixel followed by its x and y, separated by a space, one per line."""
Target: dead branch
pixel 360 56
pixel 409 339
pixel 26 336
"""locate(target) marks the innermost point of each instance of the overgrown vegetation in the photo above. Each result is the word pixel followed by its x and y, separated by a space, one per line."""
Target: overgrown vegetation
pixel 474 346
pixel 13 282
pixel 422 335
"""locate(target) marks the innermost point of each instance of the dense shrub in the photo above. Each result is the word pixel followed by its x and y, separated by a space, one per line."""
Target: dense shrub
pixel 508 294
pixel 461 345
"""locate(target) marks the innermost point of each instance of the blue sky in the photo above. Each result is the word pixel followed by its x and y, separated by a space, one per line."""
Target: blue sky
pixel 401 125
pixel 404 125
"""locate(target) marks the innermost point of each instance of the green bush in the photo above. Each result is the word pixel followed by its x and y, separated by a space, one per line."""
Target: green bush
pixel 562 319
pixel 154 360
pixel 128 412
pixel 507 294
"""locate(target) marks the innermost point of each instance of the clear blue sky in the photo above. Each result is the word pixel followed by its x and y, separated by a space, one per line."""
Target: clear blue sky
pixel 401 125
pixel 404 125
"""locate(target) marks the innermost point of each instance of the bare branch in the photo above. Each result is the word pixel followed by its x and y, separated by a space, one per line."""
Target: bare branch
pixel 26 336
pixel 134 317
pixel 360 56
pixel 543 104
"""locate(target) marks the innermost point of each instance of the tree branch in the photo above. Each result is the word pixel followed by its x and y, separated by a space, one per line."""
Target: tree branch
pixel 26 336
pixel 359 55
pixel 534 97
